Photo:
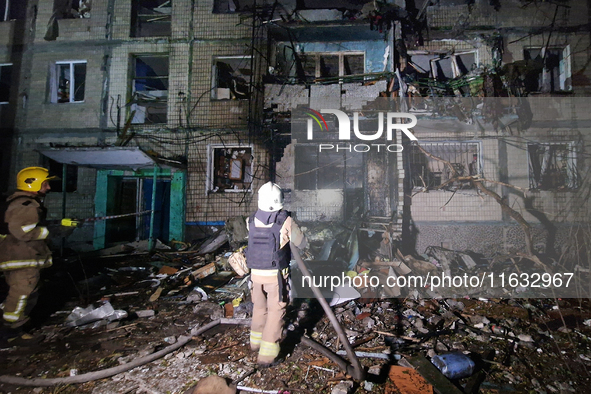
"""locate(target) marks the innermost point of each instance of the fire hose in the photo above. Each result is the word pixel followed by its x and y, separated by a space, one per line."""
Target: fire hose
pixel 354 368
pixel 105 373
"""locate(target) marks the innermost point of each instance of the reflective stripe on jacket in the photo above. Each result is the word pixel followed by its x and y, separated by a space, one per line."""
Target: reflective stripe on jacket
pixel 25 246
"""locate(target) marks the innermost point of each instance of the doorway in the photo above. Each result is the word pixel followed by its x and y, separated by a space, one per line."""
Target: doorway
pixel 128 196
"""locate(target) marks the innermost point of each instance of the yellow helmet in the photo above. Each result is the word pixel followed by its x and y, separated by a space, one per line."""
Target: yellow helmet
pixel 30 179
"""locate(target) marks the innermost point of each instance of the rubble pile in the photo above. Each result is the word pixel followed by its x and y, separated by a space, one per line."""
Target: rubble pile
pixel 141 304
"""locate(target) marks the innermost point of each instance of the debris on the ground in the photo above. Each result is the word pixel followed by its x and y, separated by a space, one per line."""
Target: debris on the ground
pixel 406 380
pixel 172 294
pixel 83 317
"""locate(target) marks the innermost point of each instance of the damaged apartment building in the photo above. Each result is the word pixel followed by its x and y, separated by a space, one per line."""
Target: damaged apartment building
pixel 184 108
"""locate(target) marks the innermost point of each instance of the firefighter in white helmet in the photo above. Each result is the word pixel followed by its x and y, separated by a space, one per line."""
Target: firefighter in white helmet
pixel 271 228
pixel 24 250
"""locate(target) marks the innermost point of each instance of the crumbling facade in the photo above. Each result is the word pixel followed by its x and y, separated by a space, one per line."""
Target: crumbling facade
pixel 533 155
pixel 206 91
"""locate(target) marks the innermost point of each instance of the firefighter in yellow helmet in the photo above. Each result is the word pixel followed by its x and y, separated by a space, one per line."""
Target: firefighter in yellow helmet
pixel 270 231
pixel 24 250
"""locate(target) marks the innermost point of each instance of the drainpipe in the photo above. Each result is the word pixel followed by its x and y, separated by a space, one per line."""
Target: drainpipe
pixel 151 243
pixel 354 369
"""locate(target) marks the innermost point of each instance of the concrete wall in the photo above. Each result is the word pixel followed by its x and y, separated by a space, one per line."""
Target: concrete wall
pixel 104 42
pixel 196 120
pixel 471 220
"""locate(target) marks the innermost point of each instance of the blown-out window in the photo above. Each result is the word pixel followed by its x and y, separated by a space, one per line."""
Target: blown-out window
pixel 231 78
pixel 229 168
pixel 552 166
pixel 72 9
pixel 426 172
pixel 232 6
pixel 315 170
pixel 151 18
pixel 549 69
pixel 68 80
pixel 453 66
pixel 150 89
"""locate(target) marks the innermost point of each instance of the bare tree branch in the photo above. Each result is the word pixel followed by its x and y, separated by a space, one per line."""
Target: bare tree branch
pixel 477 182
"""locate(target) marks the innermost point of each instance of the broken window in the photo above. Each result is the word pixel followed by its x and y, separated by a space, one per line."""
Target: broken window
pixel 549 69
pixel 151 18
pixel 429 173
pixel 71 9
pixel 230 169
pixel 332 65
pixel 56 168
pixel 150 89
pixel 231 6
pixel 68 81
pixel 420 62
pixel 552 166
pixel 464 63
pixel 452 66
pixel 322 170
pixel 12 9
pixel 231 78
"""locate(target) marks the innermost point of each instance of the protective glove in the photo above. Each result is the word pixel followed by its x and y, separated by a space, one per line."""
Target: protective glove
pixel 67 222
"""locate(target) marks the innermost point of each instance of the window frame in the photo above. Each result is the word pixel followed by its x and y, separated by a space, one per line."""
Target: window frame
pixel 419 183
pixel 349 169
pixel 545 74
pixel 572 176
pixel 141 116
pixel 317 56
pixel 55 81
pixel 210 188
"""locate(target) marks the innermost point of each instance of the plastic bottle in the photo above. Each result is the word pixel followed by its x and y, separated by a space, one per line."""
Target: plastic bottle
pixel 454 365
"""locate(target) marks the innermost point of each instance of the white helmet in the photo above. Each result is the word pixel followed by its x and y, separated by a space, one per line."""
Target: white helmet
pixel 270 197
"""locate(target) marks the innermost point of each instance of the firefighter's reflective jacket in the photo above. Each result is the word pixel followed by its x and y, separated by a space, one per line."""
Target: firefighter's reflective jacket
pixel 25 245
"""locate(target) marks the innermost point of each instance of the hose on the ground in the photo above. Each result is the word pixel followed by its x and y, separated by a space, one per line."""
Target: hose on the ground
pixel 354 369
pixel 106 373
